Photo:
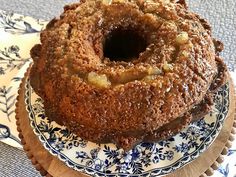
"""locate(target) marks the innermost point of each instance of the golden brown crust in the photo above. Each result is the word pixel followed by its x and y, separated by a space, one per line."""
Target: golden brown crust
pixel 99 98
pixel 221 76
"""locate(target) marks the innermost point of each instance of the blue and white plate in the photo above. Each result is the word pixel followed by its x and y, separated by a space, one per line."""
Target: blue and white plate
pixel 146 159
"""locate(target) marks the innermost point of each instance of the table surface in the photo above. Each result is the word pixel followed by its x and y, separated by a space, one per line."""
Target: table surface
pixel 220 13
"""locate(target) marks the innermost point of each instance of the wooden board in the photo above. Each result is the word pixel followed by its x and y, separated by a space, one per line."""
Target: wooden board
pixel 50 166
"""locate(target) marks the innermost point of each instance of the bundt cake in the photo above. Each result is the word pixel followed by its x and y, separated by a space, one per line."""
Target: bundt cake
pixel 127 71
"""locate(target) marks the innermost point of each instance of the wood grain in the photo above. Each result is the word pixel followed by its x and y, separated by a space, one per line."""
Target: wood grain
pixel 50 166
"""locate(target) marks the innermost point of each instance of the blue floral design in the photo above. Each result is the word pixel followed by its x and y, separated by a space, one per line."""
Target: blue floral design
pixel 92 159
pixel 225 167
pixel 7 101
pixel 17 24
pixel 224 170
pixel 183 147
pixel 231 152
pixel 11 59
pixel 6 133
pixel 16 79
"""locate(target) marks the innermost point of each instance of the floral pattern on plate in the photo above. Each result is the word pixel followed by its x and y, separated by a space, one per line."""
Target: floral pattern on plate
pixel 146 158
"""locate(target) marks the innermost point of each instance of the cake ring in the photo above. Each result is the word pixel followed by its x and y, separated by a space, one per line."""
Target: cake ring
pixel 127 71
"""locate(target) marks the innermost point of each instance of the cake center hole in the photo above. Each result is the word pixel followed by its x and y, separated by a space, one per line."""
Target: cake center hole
pixel 124 45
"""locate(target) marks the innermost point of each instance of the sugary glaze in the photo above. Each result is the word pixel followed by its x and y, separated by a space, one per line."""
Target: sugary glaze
pixel 126 71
